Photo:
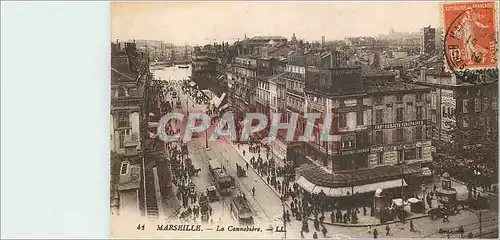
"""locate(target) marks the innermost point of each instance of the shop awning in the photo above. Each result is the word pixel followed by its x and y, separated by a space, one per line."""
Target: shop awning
pixel 380 185
pixel 306 185
pixel 343 191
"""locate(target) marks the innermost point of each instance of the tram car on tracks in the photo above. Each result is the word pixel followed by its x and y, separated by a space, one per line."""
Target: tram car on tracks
pixel 224 182
pixel 241 210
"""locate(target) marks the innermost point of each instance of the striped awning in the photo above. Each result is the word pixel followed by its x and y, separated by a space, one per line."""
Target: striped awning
pixel 345 191
pixel 306 185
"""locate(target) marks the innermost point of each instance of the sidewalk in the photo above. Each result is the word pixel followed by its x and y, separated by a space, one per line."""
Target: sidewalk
pixel 363 221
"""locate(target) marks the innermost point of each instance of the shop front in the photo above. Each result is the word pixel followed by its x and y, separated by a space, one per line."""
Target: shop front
pixel 340 186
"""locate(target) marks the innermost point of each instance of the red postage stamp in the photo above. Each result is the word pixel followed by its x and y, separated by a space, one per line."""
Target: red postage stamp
pixel 470 35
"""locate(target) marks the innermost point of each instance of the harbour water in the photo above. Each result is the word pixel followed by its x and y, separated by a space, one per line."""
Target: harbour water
pixel 172 73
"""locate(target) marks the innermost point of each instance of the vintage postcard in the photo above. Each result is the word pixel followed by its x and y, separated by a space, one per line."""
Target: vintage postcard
pixel 270 120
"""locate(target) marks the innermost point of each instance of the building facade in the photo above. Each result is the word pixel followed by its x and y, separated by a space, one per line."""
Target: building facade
pixel 129 86
pixel 381 127
pixel 428 41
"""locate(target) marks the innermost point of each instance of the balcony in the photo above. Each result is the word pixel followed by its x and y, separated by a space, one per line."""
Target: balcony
pixel 295 76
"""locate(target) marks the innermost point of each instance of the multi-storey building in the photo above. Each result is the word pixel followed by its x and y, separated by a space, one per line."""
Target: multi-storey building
pixel 126 100
pixel 428 41
pixel 380 124
pixel 129 81
pixel 242 73
pixel 203 65
pixel 460 111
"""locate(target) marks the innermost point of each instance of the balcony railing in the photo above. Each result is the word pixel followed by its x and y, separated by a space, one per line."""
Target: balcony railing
pixel 292 75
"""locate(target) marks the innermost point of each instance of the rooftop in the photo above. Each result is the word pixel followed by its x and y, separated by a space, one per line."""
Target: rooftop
pixel 394 87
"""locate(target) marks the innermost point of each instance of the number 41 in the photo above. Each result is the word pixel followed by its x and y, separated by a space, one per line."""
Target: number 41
pixel 140 227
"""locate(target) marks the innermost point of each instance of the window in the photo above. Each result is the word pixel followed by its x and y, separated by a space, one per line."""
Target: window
pixel 379 99
pixel 410 154
pixel 360 118
pixel 343 120
pixel 419 97
pixel 399 98
pixel 399 114
pixel 445 114
pixel 477 105
pixel 465 123
pixel 123 119
pixel 418 133
pixel 464 106
pixel 399 135
pixel 494 103
pixel 379 137
pixel 347 144
pixel 419 112
pixel 400 156
pixel 380 160
pixel 124 168
pixel 379 116
pixel 121 139
pixel 485 104
pixel 121 92
pixel 419 153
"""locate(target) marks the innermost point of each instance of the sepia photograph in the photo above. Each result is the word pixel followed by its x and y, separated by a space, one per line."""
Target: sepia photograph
pixel 304 120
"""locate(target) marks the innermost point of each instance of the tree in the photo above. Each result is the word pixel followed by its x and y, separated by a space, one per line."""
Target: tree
pixel 473 148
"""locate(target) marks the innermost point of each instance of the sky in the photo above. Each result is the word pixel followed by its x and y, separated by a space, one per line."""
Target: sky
pixel 198 23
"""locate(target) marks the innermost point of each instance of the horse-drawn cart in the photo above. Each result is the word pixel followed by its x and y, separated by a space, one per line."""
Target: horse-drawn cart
pixel 204 208
pixel 240 171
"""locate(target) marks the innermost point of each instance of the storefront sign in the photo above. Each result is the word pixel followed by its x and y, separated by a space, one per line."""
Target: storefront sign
pixel 390 157
pixel 423 144
pixel 372 160
pixel 398 125
pixel 350 152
